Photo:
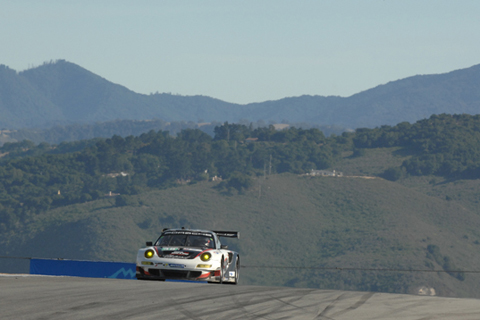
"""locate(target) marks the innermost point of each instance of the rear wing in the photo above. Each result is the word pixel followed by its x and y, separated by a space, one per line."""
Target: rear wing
pixel 228 234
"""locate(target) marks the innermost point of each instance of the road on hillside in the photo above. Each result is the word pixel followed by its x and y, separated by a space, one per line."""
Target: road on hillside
pixel 41 297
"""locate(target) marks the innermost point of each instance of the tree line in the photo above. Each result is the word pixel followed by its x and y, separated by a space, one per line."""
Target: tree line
pixel 35 178
pixel 39 177
pixel 124 128
pixel 443 145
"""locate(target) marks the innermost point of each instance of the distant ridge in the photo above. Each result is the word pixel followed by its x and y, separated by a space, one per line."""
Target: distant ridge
pixel 62 92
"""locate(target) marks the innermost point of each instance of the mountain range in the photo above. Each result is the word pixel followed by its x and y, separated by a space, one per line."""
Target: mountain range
pixel 61 93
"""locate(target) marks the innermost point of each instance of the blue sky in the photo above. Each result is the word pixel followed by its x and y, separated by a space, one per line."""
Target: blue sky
pixel 244 51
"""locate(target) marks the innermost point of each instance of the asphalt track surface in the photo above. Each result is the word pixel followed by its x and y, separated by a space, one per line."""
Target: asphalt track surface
pixel 39 297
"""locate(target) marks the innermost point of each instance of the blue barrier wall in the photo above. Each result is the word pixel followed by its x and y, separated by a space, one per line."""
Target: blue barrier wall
pixel 90 269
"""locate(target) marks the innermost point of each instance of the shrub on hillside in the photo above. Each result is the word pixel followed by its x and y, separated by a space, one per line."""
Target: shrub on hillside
pixel 239 181
pixel 123 200
pixel 393 174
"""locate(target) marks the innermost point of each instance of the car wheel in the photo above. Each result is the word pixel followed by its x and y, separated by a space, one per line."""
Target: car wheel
pixel 222 265
pixel 237 268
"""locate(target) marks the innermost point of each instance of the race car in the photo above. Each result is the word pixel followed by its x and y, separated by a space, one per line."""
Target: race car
pixel 189 254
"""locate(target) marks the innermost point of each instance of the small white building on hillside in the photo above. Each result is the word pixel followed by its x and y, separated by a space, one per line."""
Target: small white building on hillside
pixel 325 173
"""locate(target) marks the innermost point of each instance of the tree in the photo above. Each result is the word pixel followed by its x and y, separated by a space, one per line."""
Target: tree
pixel 239 181
pixel 393 174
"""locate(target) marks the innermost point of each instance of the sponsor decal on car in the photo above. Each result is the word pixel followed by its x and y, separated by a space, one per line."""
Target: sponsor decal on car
pixel 180 253
pixel 170 249
pixel 192 233
pixel 231 274
pixel 161 264
pixel 174 265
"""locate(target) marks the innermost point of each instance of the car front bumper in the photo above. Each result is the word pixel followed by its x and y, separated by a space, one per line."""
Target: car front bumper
pixel 152 273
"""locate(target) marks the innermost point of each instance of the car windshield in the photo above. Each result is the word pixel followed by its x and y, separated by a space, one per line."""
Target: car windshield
pixel 181 240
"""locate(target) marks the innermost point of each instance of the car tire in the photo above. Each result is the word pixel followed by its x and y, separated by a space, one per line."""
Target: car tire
pixel 237 268
pixel 222 266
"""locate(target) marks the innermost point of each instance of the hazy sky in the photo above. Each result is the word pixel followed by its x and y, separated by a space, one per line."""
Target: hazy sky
pixel 244 51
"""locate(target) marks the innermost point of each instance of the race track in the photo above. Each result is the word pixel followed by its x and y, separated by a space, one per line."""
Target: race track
pixel 41 297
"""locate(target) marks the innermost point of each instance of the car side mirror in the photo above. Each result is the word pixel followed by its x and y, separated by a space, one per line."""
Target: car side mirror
pixel 223 246
pixel 149 243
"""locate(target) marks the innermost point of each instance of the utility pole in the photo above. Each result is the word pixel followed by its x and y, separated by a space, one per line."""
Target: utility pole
pixel 270 167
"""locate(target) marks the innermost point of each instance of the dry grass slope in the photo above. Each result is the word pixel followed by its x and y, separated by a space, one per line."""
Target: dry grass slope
pixel 286 221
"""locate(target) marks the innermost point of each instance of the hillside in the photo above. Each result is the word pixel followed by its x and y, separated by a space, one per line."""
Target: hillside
pixel 64 93
pixel 293 222
pixel 103 198
pixel 34 179
pixel 415 98
pixel 21 104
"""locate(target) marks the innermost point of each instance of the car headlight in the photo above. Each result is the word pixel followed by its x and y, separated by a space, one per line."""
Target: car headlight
pixel 205 256
pixel 149 253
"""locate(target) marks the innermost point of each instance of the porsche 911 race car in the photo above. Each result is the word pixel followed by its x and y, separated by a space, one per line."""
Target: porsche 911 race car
pixel 188 254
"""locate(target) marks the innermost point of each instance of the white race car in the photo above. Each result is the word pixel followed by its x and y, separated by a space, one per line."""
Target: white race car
pixel 188 254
